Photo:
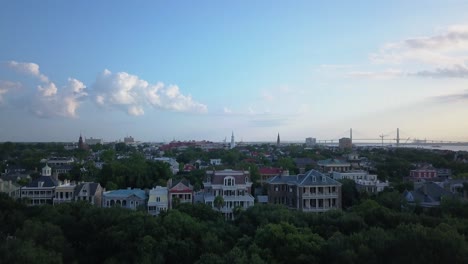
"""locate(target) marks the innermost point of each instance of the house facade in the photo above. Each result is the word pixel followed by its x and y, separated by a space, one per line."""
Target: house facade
pixel 126 198
pixel 64 193
pixel 331 165
pixel 233 186
pixel 158 200
pixel 312 191
pixel 89 191
pixel 40 190
pixel 179 192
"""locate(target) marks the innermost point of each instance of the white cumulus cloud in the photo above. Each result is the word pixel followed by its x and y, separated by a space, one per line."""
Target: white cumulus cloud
pixel 48 100
pixel 130 93
pixel 28 68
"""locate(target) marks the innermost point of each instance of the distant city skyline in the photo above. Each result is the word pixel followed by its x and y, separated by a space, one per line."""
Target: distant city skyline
pixel 159 71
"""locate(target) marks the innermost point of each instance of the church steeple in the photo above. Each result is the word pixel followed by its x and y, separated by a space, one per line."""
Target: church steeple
pixel 278 140
pixel 81 143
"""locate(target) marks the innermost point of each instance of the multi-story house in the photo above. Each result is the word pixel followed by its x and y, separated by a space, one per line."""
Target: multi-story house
pixel 64 193
pixel 126 198
pixel 331 165
pixel 354 175
pixel 309 192
pixel 11 188
pixel 179 192
pixel 364 181
pixel 233 186
pixel 158 200
pixel 423 172
pixel 89 191
pixel 40 190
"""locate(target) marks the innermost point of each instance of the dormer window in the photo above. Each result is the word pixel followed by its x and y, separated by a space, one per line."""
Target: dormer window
pixel 229 181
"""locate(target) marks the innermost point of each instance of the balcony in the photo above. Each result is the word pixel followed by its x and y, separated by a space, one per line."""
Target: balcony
pixel 318 209
pixel 320 195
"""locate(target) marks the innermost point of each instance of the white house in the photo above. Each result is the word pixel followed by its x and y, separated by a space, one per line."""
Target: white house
pixel 157 201
pixel 233 186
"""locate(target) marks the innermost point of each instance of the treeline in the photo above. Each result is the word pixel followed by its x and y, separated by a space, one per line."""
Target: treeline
pixel 367 233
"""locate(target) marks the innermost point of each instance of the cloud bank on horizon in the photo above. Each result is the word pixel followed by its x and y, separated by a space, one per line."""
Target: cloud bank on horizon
pixel 119 91
pixel 443 55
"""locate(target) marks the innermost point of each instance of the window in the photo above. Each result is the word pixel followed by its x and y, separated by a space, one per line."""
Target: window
pixel 158 199
pixel 229 181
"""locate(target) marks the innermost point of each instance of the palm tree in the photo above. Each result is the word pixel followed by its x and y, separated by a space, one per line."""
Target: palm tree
pixel 218 202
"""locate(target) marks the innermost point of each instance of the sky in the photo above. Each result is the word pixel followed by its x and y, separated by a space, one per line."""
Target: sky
pixel 200 70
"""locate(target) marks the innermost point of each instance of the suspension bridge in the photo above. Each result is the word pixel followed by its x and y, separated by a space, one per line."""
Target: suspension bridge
pixel 397 137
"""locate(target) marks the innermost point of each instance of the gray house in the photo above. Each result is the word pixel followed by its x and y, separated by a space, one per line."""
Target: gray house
pixel 126 198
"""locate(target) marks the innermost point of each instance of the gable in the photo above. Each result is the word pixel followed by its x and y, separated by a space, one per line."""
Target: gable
pixel 180 187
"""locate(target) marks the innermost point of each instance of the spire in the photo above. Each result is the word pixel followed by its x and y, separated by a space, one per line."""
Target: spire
pixel 278 140
pixel 233 143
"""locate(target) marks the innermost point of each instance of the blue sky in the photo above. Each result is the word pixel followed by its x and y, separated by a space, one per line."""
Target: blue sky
pixel 163 70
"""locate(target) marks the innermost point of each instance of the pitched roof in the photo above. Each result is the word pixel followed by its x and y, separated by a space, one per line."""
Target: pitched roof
pixel 428 193
pixel 311 177
pixel 48 181
pixel 332 162
pixel 125 193
pixel 92 186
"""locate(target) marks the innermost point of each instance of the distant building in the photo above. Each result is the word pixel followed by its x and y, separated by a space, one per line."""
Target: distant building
pixel 353 175
pixel 371 186
pixel 304 164
pixel 331 165
pixel 11 188
pixel 93 141
pixel 158 200
pixel 181 190
pixel 345 143
pixel 215 162
pixel 40 190
pixel 423 172
pixel 58 161
pixel 233 186
pixel 309 192
pixel 129 140
pixel 89 191
pixel 268 172
pixel 310 142
pixel 278 142
pixel 364 181
pixel 172 162
pixel 81 144
pixel 125 198
pixel 427 194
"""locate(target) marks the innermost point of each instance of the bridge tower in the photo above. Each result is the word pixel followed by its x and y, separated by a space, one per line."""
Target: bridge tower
pixel 398 137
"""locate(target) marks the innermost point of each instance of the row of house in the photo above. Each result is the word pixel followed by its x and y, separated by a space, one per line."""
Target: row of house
pixel 46 189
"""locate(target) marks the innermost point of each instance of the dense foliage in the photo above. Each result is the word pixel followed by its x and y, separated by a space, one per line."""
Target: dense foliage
pixel 368 232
